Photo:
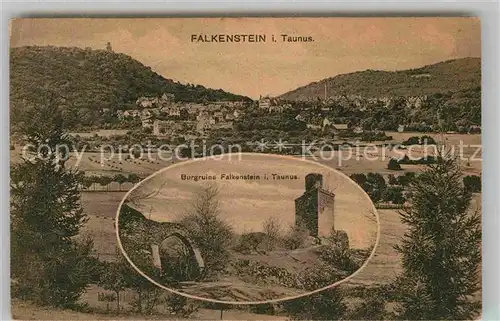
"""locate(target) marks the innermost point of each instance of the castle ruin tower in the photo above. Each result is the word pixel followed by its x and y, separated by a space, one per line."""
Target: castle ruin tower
pixel 108 47
pixel 314 210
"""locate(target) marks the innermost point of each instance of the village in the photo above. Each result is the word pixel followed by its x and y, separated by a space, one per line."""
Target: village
pixel 165 117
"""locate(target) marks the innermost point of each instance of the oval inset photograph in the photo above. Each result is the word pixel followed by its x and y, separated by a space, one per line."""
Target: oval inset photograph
pixel 247 228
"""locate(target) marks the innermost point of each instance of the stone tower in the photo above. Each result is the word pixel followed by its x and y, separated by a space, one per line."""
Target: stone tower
pixel 315 208
pixel 108 47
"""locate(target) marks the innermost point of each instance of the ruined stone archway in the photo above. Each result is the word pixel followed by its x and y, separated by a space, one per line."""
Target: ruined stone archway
pixel 162 246
pixel 131 221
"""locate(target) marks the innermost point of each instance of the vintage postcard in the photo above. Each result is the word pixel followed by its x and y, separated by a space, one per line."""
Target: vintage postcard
pixel 246 168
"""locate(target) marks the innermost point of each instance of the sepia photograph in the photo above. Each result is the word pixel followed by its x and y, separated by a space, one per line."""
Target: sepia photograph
pixel 246 168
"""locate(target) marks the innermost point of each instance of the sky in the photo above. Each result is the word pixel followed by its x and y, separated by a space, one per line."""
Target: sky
pixel 341 45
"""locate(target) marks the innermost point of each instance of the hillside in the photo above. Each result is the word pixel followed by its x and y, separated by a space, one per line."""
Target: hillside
pixel 93 79
pixel 448 76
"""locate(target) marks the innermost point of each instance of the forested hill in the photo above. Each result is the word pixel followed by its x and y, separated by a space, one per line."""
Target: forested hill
pixel 448 76
pixel 94 79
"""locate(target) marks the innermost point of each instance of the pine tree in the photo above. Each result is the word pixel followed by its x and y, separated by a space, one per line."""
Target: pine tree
pixel 50 264
pixel 441 250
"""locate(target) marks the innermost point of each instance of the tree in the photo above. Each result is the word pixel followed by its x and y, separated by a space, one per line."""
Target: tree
pixel 113 278
pixel 427 140
pixel 212 234
pixel 272 230
pixel 105 181
pixel 393 165
pixel 394 194
pixel 133 178
pixel 414 140
pixel 441 251
pixel 359 178
pixel 50 263
pixel 87 182
pixel 472 183
pixel 392 180
pixel 120 179
pixel 406 179
pixel 375 186
pixel 137 237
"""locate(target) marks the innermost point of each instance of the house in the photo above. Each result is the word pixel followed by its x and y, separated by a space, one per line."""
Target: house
pixel 264 103
pixel 146 113
pixel 299 117
pixel 147 122
pixel 276 109
pixel 161 127
pixel 474 129
pixel 203 125
pixel 144 102
pixel 401 128
pixel 313 126
pixel 341 126
pixel 167 98
pixel 358 130
pixel 174 111
pixel 203 114
pixel 168 127
pixel 223 125
pixel 237 113
pixel 218 116
pixel 131 113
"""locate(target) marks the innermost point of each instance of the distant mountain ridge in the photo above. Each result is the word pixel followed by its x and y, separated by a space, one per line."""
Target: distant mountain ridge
pixel 94 79
pixel 447 76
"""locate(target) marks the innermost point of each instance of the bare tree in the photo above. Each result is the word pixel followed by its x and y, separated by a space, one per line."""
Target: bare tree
pixel 272 230
pixel 212 234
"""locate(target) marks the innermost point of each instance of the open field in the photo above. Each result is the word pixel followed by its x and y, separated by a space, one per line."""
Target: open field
pixel 360 160
pixel 450 139
pixel 21 310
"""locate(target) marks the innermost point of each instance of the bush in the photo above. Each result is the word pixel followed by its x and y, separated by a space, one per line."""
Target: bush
pixel 272 230
pixel 295 237
pixel 265 308
pixel 393 165
pixel 373 308
pixel 414 140
pixel 394 194
pixel 325 305
pixel 180 305
pixel 336 253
